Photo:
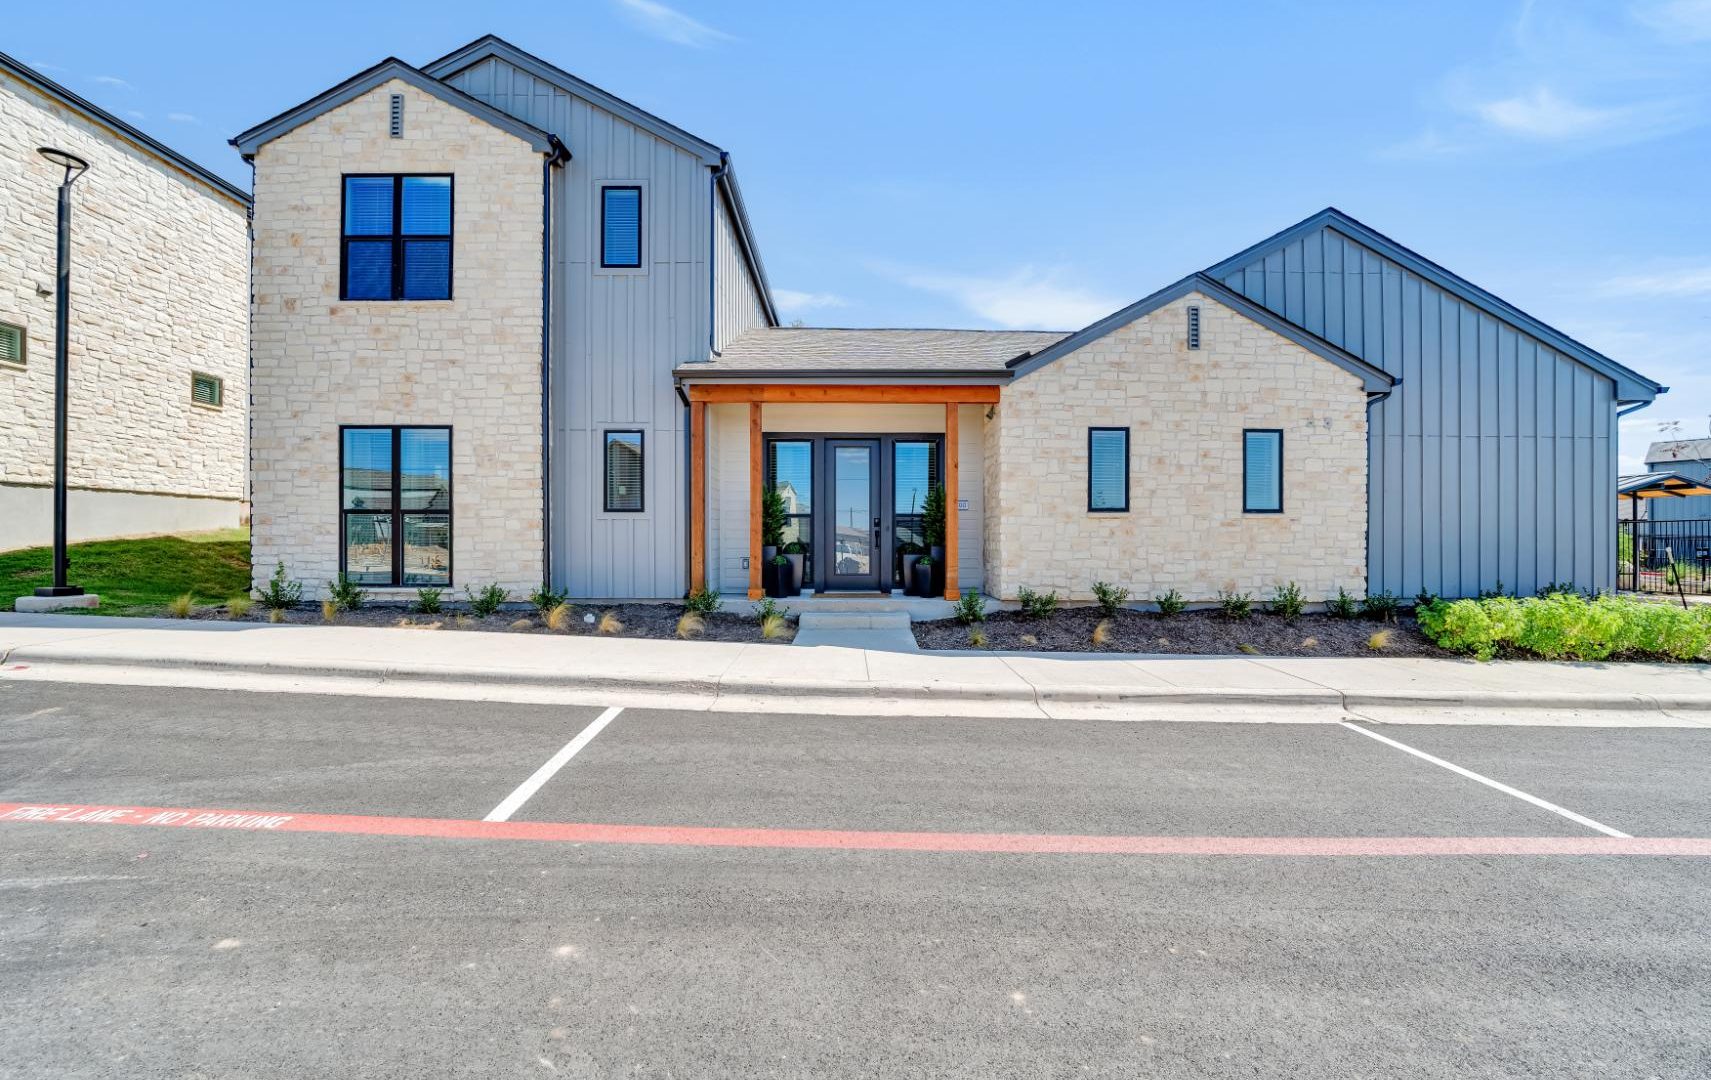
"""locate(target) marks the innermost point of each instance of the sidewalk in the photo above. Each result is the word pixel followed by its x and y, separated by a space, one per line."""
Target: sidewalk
pixel 831 679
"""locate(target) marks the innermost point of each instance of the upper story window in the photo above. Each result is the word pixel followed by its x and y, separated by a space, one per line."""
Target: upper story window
pixel 621 226
pixel 1107 469
pixel 1262 471
pixel 397 238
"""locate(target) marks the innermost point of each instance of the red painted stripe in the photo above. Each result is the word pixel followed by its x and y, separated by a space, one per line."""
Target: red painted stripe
pixel 847 840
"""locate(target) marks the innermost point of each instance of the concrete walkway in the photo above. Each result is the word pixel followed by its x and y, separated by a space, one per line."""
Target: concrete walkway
pixel 841 680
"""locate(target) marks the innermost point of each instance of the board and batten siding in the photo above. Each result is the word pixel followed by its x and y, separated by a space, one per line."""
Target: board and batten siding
pixel 616 335
pixel 736 305
pixel 1494 460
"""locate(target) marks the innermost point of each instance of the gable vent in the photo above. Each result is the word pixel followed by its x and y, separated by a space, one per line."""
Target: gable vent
pixel 1194 327
pixel 397 116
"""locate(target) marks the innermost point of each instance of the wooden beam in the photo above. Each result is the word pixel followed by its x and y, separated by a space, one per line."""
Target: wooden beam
pixel 697 495
pixel 756 479
pixel 826 393
pixel 951 590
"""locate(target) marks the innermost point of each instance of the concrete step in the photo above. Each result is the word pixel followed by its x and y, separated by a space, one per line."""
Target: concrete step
pixel 853 620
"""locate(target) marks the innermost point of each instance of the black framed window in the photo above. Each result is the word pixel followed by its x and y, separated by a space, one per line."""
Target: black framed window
pixel 1262 471
pixel 395 505
pixel 1108 469
pixel 621 226
pixel 790 472
pixel 397 238
pixel 624 477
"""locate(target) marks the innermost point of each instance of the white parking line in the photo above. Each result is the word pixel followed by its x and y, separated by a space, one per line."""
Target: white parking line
pixel 1578 819
pixel 514 801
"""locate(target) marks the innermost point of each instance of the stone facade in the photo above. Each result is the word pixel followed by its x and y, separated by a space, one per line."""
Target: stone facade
pixel 472 362
pixel 1185 410
pixel 160 285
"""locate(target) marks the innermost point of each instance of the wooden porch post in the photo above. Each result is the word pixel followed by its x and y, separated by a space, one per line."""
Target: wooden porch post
pixel 756 480
pixel 951 590
pixel 697 495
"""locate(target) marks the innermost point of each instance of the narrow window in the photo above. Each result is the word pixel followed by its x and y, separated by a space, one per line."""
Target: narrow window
pixel 396 505
pixel 1193 326
pixel 207 390
pixel 397 238
pixel 1107 469
pixel 1262 471
pixel 624 472
pixel 621 227
pixel 11 344
pixel 397 116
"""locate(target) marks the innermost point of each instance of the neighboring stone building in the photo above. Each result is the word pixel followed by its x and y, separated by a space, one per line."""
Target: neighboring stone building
pixel 512 329
pixel 159 326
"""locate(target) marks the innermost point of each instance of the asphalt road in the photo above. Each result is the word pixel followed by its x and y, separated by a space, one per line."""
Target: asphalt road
pixel 177 952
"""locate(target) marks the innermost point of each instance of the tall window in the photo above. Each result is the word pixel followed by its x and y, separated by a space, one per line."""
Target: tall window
pixel 790 472
pixel 1107 469
pixel 1262 471
pixel 621 226
pixel 624 472
pixel 396 505
pixel 397 238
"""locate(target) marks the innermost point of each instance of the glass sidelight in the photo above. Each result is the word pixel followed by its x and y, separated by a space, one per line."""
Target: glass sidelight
pixel 790 472
pixel 914 471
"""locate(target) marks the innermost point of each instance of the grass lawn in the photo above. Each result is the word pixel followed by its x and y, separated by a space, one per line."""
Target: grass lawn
pixel 139 577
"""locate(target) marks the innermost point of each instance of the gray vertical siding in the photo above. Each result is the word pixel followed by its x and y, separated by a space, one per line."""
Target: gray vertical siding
pixel 1495 458
pixel 617 337
pixel 736 306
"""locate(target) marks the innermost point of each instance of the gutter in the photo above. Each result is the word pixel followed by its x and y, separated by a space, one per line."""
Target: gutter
pixel 1633 407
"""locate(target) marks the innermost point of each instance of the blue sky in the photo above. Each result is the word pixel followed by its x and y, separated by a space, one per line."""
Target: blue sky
pixel 1037 165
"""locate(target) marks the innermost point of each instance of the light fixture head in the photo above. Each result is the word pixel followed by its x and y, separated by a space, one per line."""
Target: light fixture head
pixel 73 165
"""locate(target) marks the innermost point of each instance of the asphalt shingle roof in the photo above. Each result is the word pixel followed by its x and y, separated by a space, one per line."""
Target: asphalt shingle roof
pixel 824 351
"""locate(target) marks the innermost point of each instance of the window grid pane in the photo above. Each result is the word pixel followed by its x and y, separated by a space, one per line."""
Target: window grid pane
pixel 427 549
pixel 1108 470
pixel 368 548
pixel 427 207
pixel 425 469
pixel 427 269
pixel 623 471
pixel 368 469
pixel 368 205
pixel 1262 471
pixel 621 227
pixel 368 270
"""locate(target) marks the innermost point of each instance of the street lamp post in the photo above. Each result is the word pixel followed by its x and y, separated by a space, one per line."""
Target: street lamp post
pixel 74 167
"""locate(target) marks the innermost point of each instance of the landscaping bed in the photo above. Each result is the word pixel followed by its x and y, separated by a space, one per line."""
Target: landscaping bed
pixel 637 620
pixel 1200 633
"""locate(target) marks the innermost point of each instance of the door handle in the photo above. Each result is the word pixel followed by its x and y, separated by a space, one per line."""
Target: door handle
pixel 876 530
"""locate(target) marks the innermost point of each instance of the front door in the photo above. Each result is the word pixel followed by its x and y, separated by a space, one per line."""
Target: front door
pixel 851 531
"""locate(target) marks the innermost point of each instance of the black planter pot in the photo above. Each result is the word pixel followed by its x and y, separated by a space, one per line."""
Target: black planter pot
pixel 922 576
pixel 795 567
pixel 938 586
pixel 776 580
pixel 767 553
pixel 909 562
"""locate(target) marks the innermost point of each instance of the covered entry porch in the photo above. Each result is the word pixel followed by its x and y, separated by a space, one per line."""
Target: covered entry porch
pixel 853 464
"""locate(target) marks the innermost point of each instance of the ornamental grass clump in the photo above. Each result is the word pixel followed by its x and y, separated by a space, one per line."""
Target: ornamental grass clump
pixel 691 624
pixel 179 607
pixel 239 606
pixel 558 619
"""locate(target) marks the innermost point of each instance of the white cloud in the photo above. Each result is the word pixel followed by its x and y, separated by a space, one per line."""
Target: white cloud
pixel 1690 281
pixel 135 115
pixel 671 25
pixel 794 301
pixel 1685 19
pixel 1025 298
pixel 183 118
pixel 113 81
pixel 1542 114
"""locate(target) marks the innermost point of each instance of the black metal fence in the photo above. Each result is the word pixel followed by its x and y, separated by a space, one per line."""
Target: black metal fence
pixel 1664 556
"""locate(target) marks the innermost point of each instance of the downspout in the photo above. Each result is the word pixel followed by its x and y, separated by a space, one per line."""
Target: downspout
pixel 558 155
pixel 1371 400
pixel 713 178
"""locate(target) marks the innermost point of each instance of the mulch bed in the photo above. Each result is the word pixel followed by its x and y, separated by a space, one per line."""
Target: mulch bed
pixel 1190 633
pixel 640 621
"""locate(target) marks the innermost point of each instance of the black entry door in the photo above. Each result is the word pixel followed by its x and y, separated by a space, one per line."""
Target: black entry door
pixel 851 528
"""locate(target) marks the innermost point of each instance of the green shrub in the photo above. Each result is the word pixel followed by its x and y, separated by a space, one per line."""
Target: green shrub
pixel 769 609
pixel 702 601
pixel 1236 605
pixel 1557 588
pixel 1381 607
pixel 545 599
pixel 1342 605
pixel 1567 626
pixel 1424 599
pixel 1036 605
pixel 281 591
pixel 1111 597
pixel 428 600
pixel 346 594
pixel 971 608
pixel 1288 602
pixel 1170 603
pixel 487 601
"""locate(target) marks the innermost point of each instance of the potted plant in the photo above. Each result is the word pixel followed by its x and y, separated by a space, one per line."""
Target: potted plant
pixel 923 573
pixel 933 533
pixel 771 525
pixel 908 554
pixel 796 554
pixel 777 578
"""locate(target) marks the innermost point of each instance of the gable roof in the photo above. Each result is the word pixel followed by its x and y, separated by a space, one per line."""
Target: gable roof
pixel 388 69
pixel 1375 380
pixel 491 46
pixel 1679 450
pixel 101 117
pixel 806 352
pixel 1631 386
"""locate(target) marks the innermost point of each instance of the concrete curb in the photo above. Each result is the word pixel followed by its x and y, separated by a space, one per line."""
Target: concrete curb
pixel 1304 698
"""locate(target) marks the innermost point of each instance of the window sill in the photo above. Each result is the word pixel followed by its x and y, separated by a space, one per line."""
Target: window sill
pixel 13 365
pixel 620 271
pixel 207 408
